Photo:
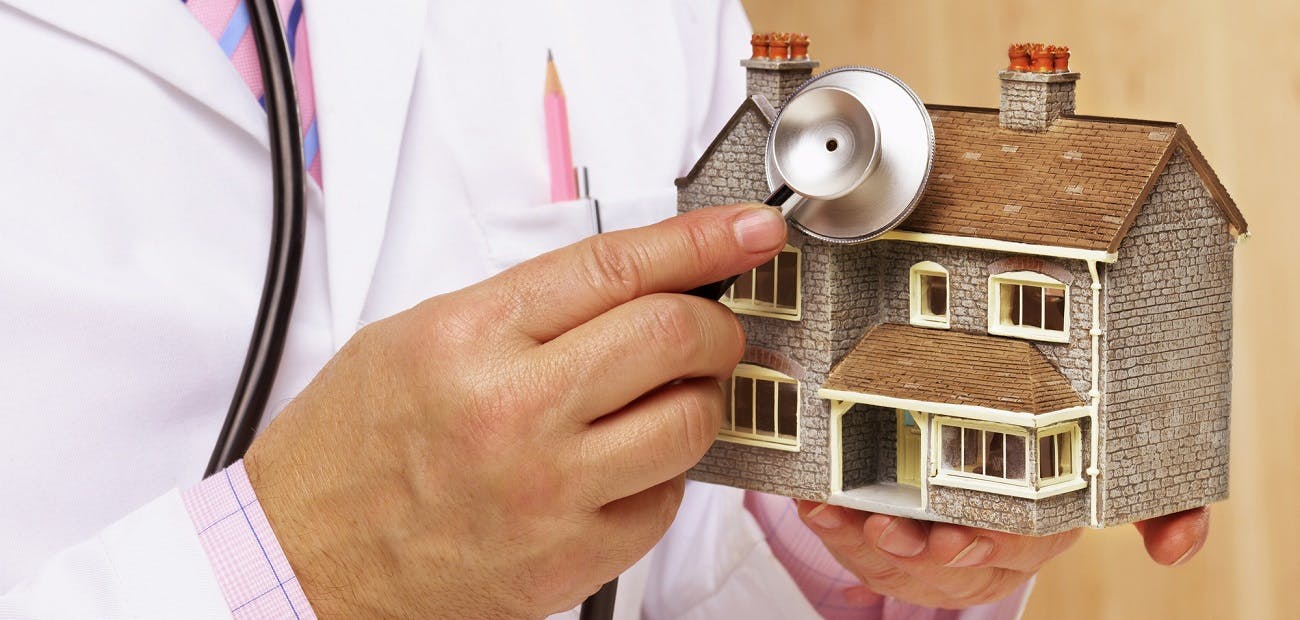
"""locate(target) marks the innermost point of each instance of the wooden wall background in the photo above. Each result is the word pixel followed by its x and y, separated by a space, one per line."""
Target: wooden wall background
pixel 1230 72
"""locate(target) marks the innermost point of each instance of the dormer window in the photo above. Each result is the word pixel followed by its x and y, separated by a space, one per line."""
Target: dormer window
pixel 929 292
pixel 1027 304
pixel 771 289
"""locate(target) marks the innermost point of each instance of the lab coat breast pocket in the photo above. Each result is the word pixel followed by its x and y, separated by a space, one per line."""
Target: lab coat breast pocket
pixel 516 233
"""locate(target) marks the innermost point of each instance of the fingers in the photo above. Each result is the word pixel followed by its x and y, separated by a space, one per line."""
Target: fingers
pixel 1174 539
pixel 959 547
pixel 625 530
pixel 841 530
pixel 555 292
pixel 968 565
pixel 938 564
pixel 638 346
pixel 655 439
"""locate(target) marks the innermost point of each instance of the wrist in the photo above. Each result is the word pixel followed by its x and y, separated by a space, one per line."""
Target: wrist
pixel 247 560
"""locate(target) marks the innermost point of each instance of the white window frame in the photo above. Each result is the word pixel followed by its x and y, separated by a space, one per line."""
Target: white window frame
pixel 775 440
pixel 1076 447
pixel 1026 278
pixel 973 481
pixel 754 307
pixel 918 318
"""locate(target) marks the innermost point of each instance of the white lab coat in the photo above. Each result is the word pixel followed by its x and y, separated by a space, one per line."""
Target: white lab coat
pixel 134 217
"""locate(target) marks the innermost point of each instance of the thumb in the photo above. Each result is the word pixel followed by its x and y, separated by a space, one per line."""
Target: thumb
pixel 579 282
pixel 1173 539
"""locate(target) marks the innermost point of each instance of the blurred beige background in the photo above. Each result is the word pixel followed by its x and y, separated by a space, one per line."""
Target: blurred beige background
pixel 1230 72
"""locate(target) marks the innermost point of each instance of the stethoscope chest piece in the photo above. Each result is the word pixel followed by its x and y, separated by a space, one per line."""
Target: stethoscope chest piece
pixel 856 144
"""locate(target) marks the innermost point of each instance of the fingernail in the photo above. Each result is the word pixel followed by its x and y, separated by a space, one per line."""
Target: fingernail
pixel 975 553
pixel 901 538
pixel 760 229
pixel 824 518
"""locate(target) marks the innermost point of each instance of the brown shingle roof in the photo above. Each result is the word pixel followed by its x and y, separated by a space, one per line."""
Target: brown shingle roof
pixel 940 366
pixel 1079 184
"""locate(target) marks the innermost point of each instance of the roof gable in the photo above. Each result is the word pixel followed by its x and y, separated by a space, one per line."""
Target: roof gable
pixel 757 103
pixel 1079 184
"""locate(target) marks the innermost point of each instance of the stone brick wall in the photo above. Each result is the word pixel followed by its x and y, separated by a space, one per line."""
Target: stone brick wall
pixel 1031 101
pixel 861 446
pixel 735 172
pixel 776 80
pixel 1168 339
pixel 968 291
pixel 1011 514
pixel 856 301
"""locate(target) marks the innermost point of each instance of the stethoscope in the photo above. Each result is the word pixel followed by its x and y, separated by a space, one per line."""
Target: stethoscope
pixel 823 155
pixel 288 229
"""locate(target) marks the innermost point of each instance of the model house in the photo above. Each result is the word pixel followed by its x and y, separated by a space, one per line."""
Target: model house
pixel 1044 344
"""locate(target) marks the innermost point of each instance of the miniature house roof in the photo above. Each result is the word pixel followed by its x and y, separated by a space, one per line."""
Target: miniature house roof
pixel 955 368
pixel 1078 184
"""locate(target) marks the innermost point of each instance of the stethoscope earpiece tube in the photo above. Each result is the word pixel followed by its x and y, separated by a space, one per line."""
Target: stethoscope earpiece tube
pixel 716 290
pixel 288 230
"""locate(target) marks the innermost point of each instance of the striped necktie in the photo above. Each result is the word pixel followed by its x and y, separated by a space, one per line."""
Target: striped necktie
pixel 227 21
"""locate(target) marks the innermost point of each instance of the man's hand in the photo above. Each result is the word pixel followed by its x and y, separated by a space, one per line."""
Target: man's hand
pixel 504 450
pixel 954 566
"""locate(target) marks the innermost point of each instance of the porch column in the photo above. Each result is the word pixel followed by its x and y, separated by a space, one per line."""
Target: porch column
pixel 838 409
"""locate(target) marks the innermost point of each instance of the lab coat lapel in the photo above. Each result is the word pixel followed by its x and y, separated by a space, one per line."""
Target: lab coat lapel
pixel 164 39
pixel 364 56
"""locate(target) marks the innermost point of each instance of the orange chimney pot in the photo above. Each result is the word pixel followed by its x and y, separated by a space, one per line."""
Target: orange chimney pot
pixel 1043 58
pixel 779 46
pixel 1018 54
pixel 759 43
pixel 1061 59
pixel 799 47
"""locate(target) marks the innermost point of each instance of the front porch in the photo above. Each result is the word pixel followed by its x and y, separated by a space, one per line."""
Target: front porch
pixel 913 408
pixel 879 464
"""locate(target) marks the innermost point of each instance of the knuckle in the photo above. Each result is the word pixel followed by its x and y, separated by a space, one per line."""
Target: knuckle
pixel 672 322
pixel 549 581
pixel 701 244
pixel 612 266
pixel 668 500
pixel 882 578
pixel 700 415
pixel 674 491
pixel 981 586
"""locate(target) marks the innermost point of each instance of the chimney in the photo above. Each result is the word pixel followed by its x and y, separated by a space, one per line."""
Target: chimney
pixel 1035 94
pixel 778 66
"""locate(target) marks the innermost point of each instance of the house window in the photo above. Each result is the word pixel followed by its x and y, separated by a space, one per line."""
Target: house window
pixel 763 408
pixel 1058 454
pixel 1031 305
pixel 991 453
pixel 771 289
pixel 929 292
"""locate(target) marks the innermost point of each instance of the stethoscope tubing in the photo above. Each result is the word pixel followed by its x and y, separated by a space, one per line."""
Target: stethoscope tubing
pixel 288 231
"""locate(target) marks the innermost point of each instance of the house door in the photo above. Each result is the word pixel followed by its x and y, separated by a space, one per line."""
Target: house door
pixel 909 450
